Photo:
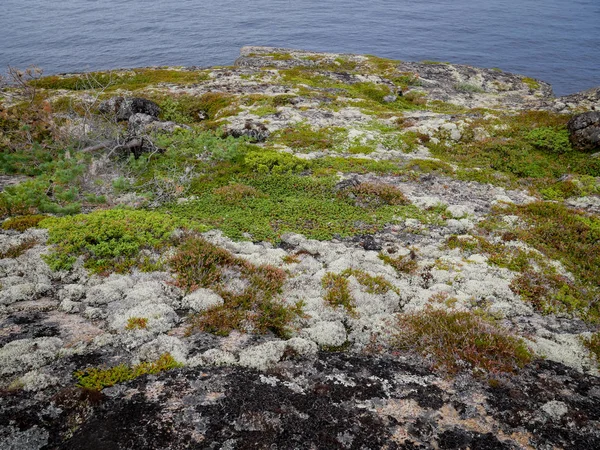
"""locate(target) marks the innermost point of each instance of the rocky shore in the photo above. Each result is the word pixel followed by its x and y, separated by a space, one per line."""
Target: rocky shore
pixel 300 251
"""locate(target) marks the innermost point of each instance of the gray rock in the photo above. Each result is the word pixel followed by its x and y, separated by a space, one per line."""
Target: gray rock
pixel 584 131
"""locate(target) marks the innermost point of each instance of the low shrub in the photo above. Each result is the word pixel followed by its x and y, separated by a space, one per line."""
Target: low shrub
pixel 200 264
pixel 108 240
pixel 550 139
pixel 22 223
pixel 458 341
pixel 378 194
pixel 265 162
pixel 403 264
pixel 338 292
pixel 17 250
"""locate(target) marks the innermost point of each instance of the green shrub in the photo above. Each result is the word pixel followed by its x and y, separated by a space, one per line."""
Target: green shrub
pixel 108 240
pixel 550 139
pixel 265 162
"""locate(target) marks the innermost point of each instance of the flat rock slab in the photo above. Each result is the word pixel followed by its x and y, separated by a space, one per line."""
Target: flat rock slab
pixel 334 401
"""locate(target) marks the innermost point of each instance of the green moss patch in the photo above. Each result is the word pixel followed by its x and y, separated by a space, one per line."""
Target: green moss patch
pixel 97 379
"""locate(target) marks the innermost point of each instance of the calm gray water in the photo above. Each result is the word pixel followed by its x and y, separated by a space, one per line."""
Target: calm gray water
pixel 555 40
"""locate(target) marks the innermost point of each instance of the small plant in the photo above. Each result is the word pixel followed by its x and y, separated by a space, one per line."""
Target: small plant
pixel 338 292
pixel 266 162
pixel 403 264
pixel 550 139
pixel 592 343
pixel 108 240
pixel 200 264
pixel 458 341
pixel 236 193
pixel 23 223
pixel 136 323
pixel 377 194
pixel 468 88
pixel 98 379
pixel 373 284
pixel 17 250
pixel 291 259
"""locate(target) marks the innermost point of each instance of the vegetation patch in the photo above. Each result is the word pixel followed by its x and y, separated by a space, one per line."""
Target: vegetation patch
pixel 530 149
pixel 372 195
pixel 406 264
pixel 131 79
pixel 337 293
pixel 23 223
pixel 97 379
pixel 272 162
pixel 458 341
pixel 303 137
pixel 592 343
pixel 136 323
pixel 252 307
pixel 109 241
pixel 17 250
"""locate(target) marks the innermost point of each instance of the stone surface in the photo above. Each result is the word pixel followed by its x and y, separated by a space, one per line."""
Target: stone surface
pixel 584 131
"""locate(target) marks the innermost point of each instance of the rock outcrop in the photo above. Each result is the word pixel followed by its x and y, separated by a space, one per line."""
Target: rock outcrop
pixel 428 189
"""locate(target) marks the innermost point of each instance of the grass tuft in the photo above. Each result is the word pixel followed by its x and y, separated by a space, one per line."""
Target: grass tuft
pixel 458 341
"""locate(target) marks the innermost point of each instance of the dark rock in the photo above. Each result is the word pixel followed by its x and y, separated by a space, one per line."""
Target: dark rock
pixel 256 131
pixel 138 122
pixel 584 131
pixel 124 107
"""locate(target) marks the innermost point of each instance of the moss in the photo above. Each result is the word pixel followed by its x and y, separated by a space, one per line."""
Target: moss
pixel 17 250
pixel 373 284
pixel 97 379
pixel 458 341
pixel 199 264
pixel 108 240
pixel 136 323
pixel 531 83
pixel 406 264
pixel 338 292
pixel 23 223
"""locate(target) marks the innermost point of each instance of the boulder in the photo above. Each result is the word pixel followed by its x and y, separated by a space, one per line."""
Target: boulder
pixel 256 131
pixel 124 107
pixel 584 131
